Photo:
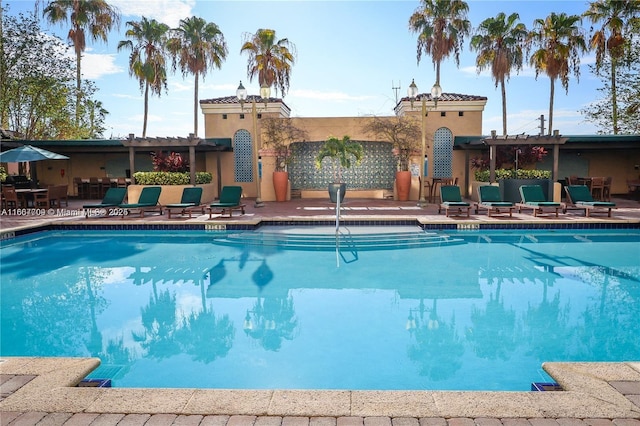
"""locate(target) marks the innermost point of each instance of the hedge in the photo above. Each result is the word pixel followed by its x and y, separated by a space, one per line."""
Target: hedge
pixel 170 178
pixel 483 175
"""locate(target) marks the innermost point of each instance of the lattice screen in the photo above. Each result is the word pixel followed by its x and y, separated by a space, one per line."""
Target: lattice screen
pixel 442 152
pixel 243 156
pixel 377 170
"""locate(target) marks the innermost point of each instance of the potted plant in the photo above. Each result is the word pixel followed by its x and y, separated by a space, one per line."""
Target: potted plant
pixel 404 133
pixel 340 151
pixel 277 135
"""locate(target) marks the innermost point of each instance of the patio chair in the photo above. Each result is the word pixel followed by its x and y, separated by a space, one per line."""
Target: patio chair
pixel 580 197
pixel 148 201
pixel 41 199
pixel 189 201
pixel 452 200
pixel 489 199
pixel 229 201
pixel 113 198
pixel 533 198
pixel 597 188
pixel 10 199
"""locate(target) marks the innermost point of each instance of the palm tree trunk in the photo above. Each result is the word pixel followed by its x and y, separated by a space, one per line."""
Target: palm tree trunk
pixel 78 83
pixel 438 72
pixel 551 106
pixel 146 110
pixel 503 91
pixel 614 97
pixel 195 106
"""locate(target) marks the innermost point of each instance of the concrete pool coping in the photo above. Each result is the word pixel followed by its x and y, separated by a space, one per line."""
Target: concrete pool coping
pixel 590 390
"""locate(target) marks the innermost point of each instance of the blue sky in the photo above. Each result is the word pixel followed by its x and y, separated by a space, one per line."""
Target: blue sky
pixel 350 56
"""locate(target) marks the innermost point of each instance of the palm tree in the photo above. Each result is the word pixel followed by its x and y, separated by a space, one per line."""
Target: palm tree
pixel 610 38
pixel 559 42
pixel 441 26
pixel 195 46
pixel 147 61
pixel 269 58
pixel 500 44
pixel 96 17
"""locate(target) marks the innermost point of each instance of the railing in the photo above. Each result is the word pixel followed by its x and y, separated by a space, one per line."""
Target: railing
pixel 338 228
pixel 337 211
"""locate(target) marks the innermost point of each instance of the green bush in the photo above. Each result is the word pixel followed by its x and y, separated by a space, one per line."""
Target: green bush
pixel 170 178
pixel 483 175
pixel 3 174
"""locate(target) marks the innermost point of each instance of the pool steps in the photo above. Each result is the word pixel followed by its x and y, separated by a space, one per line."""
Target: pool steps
pixel 311 241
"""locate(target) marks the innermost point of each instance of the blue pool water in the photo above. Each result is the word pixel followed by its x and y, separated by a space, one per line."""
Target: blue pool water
pixel 472 310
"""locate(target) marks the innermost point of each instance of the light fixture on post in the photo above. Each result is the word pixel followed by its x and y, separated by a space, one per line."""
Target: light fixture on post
pixel 412 92
pixel 265 93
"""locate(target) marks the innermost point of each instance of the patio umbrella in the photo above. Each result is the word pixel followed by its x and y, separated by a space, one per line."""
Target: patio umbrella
pixel 27 153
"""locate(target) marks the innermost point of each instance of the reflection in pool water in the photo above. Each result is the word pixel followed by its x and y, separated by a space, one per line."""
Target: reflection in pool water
pixel 475 310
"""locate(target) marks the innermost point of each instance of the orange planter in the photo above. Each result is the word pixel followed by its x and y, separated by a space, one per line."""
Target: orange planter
pixel 403 185
pixel 280 185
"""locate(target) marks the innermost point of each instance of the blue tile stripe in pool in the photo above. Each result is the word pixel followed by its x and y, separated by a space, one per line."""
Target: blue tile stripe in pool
pixel 248 227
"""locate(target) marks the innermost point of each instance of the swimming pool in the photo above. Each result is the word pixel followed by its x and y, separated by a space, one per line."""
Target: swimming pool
pixel 469 310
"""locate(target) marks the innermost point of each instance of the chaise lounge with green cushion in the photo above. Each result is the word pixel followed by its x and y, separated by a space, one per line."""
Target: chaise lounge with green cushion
pixel 452 200
pixel 489 198
pixel 112 198
pixel 579 197
pixel 190 200
pixel 229 201
pixel 533 198
pixel 148 201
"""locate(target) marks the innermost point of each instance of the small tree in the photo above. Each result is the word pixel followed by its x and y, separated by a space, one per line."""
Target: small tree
pixel 278 135
pixel 403 132
pixel 340 151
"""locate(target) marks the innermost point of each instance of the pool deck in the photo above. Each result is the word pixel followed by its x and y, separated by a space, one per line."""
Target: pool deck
pixel 42 391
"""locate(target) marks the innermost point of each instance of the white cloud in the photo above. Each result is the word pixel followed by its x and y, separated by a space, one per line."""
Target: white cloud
pixel 169 12
pixel 95 65
pixel 327 96
pixel 126 96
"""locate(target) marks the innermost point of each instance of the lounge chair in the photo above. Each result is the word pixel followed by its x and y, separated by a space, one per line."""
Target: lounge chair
pixel 533 198
pixel 579 197
pixel 489 199
pixel 452 200
pixel 112 198
pixel 148 201
pixel 229 201
pixel 189 201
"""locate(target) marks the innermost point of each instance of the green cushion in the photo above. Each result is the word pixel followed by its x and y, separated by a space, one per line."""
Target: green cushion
pixel 450 193
pixel 231 195
pixel 113 197
pixel 532 194
pixel 489 194
pixel 498 204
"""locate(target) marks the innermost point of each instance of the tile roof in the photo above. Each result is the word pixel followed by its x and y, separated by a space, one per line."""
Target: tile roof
pixel 234 100
pixel 447 97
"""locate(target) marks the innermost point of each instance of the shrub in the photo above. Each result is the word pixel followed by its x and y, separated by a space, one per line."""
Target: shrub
pixel 172 162
pixel 3 174
pixel 483 175
pixel 170 178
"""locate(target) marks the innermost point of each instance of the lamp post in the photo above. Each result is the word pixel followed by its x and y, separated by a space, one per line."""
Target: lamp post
pixel 412 92
pixel 265 93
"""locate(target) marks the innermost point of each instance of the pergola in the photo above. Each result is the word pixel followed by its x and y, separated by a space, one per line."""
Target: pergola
pixel 494 141
pixel 133 143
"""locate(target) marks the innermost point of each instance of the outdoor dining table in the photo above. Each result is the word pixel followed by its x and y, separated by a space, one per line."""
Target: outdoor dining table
pixel 26 195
